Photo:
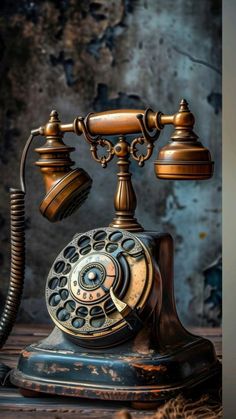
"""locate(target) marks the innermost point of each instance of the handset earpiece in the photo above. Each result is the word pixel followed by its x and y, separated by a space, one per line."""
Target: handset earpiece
pixel 66 195
pixel 184 157
pixel 66 188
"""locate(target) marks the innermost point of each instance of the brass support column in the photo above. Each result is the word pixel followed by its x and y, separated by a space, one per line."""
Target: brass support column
pixel 125 198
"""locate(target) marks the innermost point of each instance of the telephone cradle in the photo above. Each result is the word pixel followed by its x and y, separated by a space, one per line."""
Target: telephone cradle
pixel 110 291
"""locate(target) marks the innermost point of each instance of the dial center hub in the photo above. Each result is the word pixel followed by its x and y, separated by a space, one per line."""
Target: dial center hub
pixel 92 277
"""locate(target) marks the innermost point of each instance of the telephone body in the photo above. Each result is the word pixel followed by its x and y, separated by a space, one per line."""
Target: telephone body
pixel 110 292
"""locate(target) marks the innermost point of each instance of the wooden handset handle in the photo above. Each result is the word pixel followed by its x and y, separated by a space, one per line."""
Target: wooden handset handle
pixel 116 122
pixel 122 121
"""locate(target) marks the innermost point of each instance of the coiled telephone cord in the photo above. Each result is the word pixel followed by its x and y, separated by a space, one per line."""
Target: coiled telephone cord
pixel 16 282
pixel 13 299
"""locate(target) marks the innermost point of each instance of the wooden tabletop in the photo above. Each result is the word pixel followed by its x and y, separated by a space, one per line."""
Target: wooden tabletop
pixel 13 404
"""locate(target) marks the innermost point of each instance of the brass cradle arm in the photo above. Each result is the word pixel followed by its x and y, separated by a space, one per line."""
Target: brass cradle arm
pixel 124 121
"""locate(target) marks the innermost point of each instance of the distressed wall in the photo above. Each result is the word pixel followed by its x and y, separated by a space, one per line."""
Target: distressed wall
pixel 82 56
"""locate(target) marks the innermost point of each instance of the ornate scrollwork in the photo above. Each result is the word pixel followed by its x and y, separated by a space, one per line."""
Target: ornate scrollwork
pixel 141 158
pixel 103 160
pixel 96 141
pixel 146 139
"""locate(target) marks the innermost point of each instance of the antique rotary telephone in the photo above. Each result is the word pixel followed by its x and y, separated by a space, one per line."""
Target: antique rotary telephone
pixel 109 292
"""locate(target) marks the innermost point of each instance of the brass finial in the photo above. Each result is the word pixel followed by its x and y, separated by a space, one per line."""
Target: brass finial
pixel 54 116
pixel 53 127
pixel 183 106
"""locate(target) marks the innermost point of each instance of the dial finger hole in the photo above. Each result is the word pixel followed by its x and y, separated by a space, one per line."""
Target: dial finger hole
pixel 128 244
pixel 67 269
pixel 78 322
pixel 62 281
pixel 83 241
pixel 59 266
pixel 54 300
pixel 99 246
pixel 69 252
pixel 85 250
pixel 64 294
pixel 97 321
pixel 70 306
pixel 95 311
pixel 109 305
pixel 63 314
pixel 116 236
pixel 74 258
pixel 53 283
pixel 100 235
pixel 111 247
pixel 82 311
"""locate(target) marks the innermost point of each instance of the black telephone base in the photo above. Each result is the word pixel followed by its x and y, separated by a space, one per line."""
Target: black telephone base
pixel 159 361
pixel 121 373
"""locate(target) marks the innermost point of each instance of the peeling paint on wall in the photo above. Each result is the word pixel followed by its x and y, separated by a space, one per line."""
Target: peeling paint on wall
pixel 85 56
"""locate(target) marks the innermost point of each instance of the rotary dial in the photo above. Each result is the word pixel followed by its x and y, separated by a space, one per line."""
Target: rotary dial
pixel 94 272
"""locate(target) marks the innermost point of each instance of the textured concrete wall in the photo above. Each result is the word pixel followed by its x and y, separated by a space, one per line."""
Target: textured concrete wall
pixel 81 56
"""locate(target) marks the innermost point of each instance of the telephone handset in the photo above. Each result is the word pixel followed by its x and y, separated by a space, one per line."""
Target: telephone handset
pixel 110 290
